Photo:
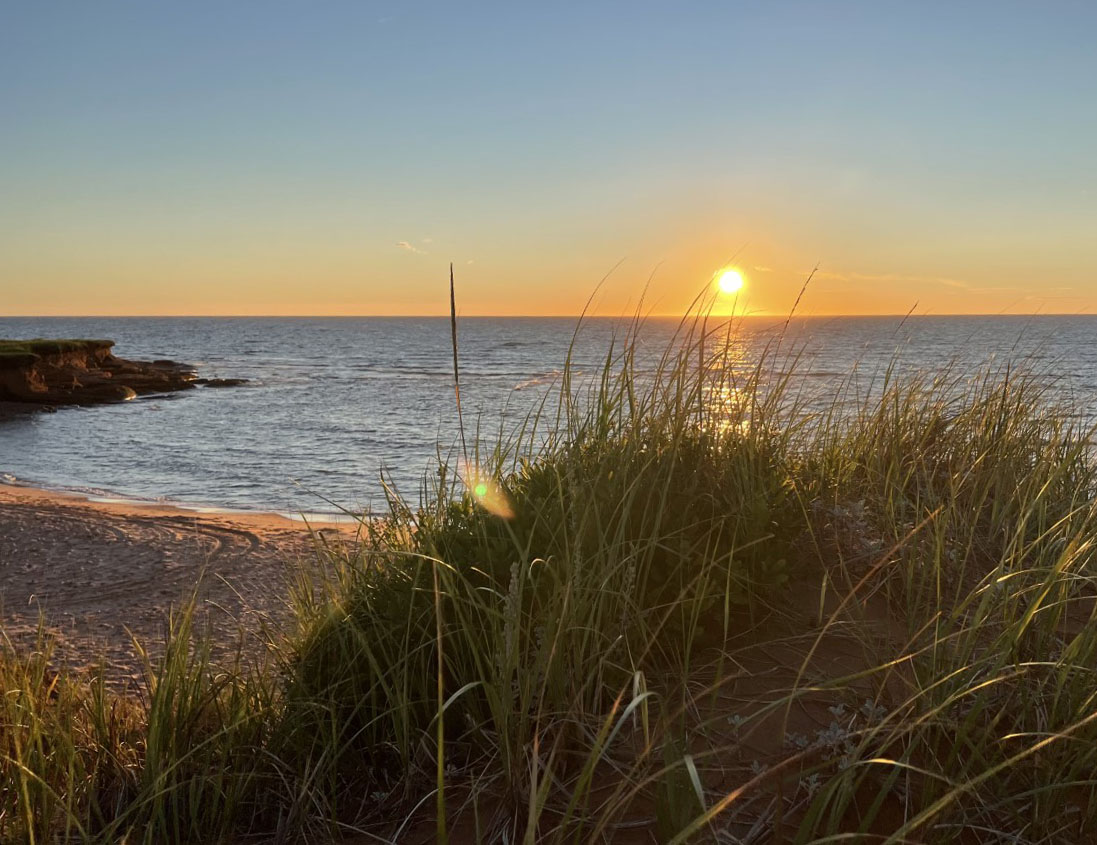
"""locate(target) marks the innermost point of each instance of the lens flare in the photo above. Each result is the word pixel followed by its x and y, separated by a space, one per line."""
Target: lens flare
pixel 487 493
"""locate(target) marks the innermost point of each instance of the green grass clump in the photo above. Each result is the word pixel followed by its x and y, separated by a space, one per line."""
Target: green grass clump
pixel 81 763
pixel 20 353
pixel 679 600
pixel 639 532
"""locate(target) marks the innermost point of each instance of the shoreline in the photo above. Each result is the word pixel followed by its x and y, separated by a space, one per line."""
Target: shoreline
pixel 95 575
pixel 10 482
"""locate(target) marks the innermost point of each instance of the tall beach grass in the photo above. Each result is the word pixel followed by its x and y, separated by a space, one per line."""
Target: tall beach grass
pixel 683 601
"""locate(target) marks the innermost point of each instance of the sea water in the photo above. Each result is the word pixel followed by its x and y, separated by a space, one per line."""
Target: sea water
pixel 335 404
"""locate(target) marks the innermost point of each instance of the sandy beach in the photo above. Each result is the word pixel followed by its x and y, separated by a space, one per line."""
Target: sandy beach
pixel 100 574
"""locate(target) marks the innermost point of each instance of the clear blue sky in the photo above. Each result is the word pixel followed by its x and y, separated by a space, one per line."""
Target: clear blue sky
pixel 273 157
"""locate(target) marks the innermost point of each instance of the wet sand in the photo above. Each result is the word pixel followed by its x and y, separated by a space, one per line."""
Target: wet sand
pixel 101 574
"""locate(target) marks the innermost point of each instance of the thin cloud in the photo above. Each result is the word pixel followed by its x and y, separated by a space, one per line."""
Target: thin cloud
pixel 762 269
pixel 409 247
pixel 877 278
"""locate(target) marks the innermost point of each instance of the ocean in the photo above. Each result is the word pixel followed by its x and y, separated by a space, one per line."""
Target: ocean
pixel 333 403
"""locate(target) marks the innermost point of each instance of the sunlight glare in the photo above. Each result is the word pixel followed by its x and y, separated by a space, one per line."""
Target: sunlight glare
pixel 730 281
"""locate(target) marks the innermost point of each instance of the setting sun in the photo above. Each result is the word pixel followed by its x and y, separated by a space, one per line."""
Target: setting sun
pixel 730 281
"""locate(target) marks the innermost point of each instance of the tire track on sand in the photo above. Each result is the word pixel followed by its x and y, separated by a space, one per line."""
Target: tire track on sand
pixel 96 572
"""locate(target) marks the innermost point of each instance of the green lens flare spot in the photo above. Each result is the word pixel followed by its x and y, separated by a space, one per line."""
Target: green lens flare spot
pixel 480 490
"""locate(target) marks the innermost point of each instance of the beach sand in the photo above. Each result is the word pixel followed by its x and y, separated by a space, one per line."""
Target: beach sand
pixel 99 574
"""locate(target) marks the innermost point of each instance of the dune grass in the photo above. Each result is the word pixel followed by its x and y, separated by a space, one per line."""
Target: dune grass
pixel 680 602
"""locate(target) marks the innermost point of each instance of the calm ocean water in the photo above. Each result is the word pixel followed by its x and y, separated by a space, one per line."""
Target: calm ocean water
pixel 333 401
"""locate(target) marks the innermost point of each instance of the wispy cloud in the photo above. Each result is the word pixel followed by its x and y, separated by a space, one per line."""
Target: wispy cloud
pixel 762 269
pixel 884 278
pixel 410 248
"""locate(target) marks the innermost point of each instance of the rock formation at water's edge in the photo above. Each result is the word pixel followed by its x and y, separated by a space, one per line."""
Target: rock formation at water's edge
pixel 82 372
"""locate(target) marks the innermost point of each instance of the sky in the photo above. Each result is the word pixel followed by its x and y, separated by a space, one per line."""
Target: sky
pixel 333 157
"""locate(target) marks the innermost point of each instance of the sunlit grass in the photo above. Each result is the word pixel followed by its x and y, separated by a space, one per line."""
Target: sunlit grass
pixel 709 611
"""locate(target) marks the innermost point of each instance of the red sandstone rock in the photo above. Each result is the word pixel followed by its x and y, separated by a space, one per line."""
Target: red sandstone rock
pixel 84 373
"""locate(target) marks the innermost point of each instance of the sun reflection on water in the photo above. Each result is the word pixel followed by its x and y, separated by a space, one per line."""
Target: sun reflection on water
pixel 729 379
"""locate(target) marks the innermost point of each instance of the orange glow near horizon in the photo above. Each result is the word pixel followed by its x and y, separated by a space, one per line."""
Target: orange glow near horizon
pixel 664 279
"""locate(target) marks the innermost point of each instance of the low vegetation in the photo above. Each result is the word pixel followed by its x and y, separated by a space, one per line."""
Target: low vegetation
pixel 18 353
pixel 683 602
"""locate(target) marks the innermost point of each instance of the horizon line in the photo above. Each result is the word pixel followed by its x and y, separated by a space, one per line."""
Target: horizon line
pixel 773 316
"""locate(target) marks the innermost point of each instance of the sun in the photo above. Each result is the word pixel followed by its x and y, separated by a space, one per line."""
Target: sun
pixel 730 281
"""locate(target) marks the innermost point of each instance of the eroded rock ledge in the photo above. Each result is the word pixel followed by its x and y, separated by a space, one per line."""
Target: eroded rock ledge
pixel 84 372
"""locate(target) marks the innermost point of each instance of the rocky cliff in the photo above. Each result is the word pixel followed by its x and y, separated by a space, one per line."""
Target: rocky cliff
pixel 82 372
